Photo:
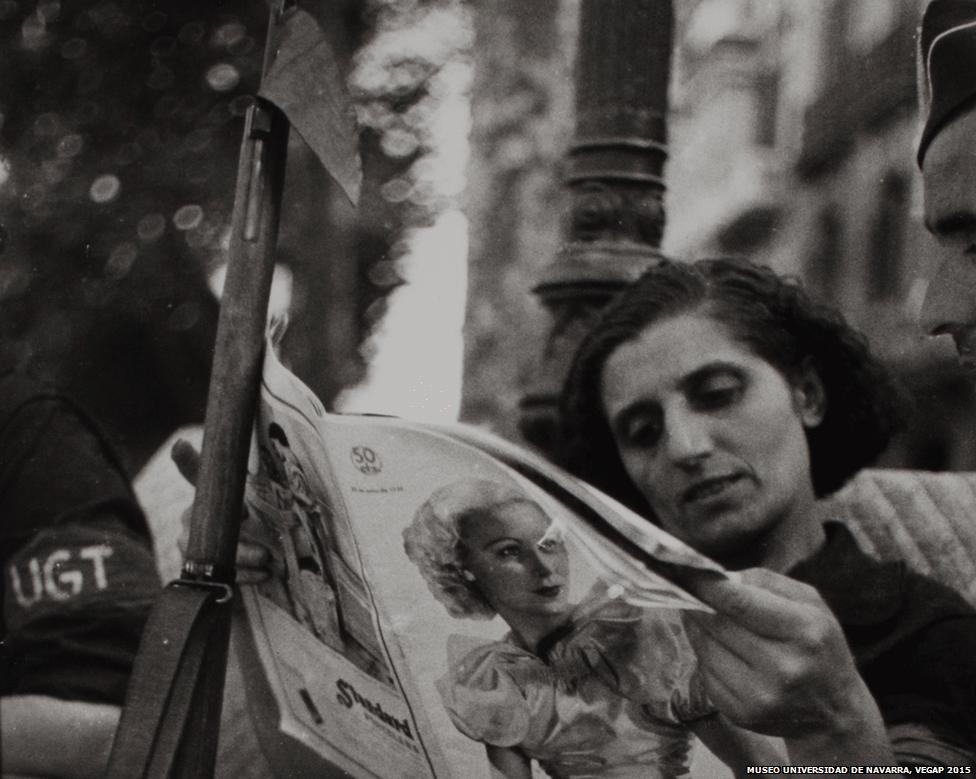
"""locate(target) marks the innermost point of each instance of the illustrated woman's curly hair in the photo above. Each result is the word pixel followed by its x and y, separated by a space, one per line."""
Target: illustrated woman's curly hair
pixel 773 317
pixel 432 540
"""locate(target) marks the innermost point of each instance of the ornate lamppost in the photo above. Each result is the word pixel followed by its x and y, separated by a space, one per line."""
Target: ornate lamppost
pixel 615 180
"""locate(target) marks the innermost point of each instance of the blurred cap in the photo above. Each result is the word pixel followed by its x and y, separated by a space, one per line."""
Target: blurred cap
pixel 947 64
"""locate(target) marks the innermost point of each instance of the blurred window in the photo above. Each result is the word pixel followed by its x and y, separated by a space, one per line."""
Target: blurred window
pixel 767 108
pixel 886 248
pixel 825 262
pixel 869 22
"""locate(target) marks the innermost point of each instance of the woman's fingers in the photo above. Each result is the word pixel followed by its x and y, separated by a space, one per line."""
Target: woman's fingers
pixel 763 602
pixel 773 657
pixel 780 584
pixel 252 555
pixel 253 561
pixel 184 539
pixel 187 459
pixel 708 630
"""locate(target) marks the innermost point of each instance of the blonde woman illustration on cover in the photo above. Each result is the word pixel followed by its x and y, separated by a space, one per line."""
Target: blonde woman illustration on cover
pixel 597 689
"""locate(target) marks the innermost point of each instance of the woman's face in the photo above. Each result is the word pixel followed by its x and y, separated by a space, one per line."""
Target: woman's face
pixel 711 434
pixel 517 565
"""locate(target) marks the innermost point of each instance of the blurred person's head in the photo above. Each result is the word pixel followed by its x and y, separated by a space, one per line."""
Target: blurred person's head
pixel 719 400
pixel 485 548
pixel 947 157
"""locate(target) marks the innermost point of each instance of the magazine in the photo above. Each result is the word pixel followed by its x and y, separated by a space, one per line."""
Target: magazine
pixel 346 646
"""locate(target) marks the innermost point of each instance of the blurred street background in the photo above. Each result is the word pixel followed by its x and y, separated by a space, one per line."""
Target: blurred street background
pixel 791 141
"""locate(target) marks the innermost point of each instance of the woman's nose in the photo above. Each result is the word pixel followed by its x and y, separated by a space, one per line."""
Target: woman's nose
pixel 540 565
pixel 687 437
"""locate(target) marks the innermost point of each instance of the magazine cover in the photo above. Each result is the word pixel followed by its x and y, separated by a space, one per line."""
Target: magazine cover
pixel 375 649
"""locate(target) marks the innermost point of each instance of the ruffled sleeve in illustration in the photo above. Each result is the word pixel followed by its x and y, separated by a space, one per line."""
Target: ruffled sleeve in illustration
pixel 492 692
pixel 644 655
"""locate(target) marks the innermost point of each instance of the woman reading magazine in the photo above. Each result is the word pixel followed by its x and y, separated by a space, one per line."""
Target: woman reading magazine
pixel 718 400
pixel 596 689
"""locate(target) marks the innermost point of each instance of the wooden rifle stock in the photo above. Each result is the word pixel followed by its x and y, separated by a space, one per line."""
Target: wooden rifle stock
pixel 235 380
pixel 171 721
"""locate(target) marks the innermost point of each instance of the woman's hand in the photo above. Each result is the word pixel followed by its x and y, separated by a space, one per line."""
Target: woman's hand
pixel 774 660
pixel 253 559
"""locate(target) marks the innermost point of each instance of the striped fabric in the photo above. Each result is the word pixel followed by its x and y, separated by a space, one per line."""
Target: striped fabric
pixel 928 519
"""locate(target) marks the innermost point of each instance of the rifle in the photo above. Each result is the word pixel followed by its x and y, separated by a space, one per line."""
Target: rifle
pixel 171 719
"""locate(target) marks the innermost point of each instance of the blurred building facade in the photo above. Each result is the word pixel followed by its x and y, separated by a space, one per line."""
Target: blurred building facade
pixel 793 143
pixel 522 120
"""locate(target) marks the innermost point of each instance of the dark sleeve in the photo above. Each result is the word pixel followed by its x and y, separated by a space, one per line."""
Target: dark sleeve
pixel 55 467
pixel 79 571
pixel 929 679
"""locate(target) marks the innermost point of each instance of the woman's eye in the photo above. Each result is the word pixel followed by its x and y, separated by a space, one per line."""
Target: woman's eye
pixel 642 433
pixel 511 550
pixel 550 545
pixel 718 395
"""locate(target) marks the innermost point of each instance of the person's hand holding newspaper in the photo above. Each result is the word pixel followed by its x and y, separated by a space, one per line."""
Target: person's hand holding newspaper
pixel 253 559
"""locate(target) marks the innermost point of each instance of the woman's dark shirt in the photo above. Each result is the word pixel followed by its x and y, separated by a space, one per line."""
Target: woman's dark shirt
pixel 914 639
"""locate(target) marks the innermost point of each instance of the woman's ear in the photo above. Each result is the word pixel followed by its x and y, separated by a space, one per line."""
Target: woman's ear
pixel 809 395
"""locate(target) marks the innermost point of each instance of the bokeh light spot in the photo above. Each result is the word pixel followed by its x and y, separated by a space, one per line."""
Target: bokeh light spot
pixel 223 77
pixel 70 146
pixel 384 274
pixel 105 188
pixel 400 143
pixel 151 227
pixel 188 217
pixel 228 34
pixel 34 33
pixel 396 190
pixel 120 261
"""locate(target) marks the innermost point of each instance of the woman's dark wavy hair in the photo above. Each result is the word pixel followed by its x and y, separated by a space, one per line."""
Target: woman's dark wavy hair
pixel 776 320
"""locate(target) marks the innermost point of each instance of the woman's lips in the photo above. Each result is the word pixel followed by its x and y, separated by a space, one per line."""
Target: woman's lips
pixel 709 488
pixel 549 592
